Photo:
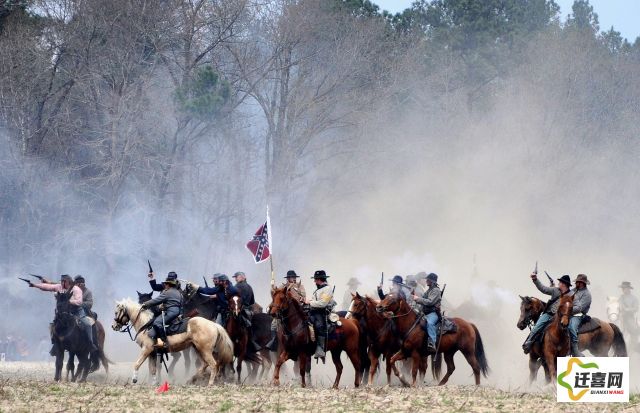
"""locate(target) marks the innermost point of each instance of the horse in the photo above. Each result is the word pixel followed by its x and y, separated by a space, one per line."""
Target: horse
pixel 530 310
pixel 68 335
pixel 556 341
pixel 466 339
pixel 294 330
pixel 261 333
pixel 630 325
pixel 144 297
pixel 95 358
pixel 380 334
pixel 240 335
pixel 210 340
pixel 599 342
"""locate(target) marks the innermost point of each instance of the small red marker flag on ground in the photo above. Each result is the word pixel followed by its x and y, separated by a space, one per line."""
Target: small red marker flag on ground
pixel 164 388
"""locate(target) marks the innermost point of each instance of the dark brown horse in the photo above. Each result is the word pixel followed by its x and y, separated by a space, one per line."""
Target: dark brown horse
pixel 381 336
pixel 294 324
pixel 556 337
pixel 68 335
pixel 530 310
pixel 599 342
pixel 465 339
pixel 240 334
pixel 95 358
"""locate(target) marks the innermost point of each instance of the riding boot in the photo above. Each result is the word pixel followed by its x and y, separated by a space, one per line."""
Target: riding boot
pixel 320 347
pixel 273 343
pixel 89 333
pixel 431 347
pixel 575 351
pixel 528 343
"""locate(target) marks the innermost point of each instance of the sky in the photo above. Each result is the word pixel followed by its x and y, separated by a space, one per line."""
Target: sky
pixel 623 15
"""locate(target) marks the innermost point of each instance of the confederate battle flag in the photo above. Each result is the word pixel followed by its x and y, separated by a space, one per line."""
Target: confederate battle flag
pixel 259 245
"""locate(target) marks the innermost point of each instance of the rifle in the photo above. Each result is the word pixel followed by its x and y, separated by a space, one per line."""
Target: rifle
pixel 444 287
pixel 551 283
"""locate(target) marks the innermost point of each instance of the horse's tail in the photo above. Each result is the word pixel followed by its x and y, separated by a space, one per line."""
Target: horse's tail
pixel 619 346
pixel 436 365
pixel 224 347
pixel 480 356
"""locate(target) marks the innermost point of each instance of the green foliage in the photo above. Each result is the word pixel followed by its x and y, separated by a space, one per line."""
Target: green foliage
pixel 204 96
pixel 583 16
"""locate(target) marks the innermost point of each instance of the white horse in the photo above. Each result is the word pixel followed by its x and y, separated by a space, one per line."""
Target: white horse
pixel 211 341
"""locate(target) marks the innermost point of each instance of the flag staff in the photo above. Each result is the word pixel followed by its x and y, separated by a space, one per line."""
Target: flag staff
pixel 273 279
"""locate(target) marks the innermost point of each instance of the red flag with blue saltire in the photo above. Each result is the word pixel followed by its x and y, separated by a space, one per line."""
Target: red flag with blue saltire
pixel 259 244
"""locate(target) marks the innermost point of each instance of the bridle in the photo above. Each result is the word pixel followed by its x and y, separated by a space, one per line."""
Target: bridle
pixel 385 309
pixel 282 317
pixel 126 325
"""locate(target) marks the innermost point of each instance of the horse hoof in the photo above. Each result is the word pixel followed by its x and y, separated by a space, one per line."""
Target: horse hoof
pixel 134 381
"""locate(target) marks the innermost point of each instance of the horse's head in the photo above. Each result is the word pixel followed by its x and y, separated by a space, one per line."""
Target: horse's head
pixel 613 309
pixel 530 310
pixel 390 305
pixel 279 303
pixel 144 297
pixel 358 307
pixel 235 305
pixel 564 309
pixel 121 317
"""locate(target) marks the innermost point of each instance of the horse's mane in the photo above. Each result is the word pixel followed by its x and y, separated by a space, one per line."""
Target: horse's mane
pixel 133 308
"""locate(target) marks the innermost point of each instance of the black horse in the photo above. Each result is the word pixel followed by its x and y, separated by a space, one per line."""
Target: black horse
pixel 67 334
pixel 95 358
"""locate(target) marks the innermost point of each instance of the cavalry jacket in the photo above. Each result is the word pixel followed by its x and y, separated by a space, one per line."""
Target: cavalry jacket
pixel 322 298
pixel 246 293
pixel 430 299
pixel 171 297
pixel 76 292
pixel 581 301
pixel 221 294
pixel 87 299
pixel 555 294
pixel 628 304
pixel 297 290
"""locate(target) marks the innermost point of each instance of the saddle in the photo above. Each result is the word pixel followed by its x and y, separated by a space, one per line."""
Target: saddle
pixel 446 325
pixel 177 326
pixel 588 324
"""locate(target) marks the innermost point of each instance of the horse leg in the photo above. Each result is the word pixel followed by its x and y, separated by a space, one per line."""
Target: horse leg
pixel 388 369
pixel 143 356
pixel 303 368
pixel 335 356
pixel 534 365
pixel 284 356
pixel 174 360
pixel 415 362
pixel 398 356
pixel 470 355
pixel 59 363
pixel 187 359
pixel 71 368
pixel 210 361
pixel 83 367
pixel 374 361
pixel 239 367
pixel 448 358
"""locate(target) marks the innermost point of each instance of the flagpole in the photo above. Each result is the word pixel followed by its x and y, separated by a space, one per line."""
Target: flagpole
pixel 273 278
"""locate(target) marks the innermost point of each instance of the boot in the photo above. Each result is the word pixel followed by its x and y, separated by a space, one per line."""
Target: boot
pixel 431 347
pixel 272 345
pixel 575 351
pixel 320 347
pixel 89 333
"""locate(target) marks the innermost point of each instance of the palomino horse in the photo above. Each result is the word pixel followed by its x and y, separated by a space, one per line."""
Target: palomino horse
pixel 240 335
pixel 381 336
pixel 210 340
pixel 294 336
pixel 599 342
pixel 466 339
pixel 530 310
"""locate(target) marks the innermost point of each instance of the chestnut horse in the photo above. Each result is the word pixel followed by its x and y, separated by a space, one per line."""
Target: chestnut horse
pixel 294 337
pixel 556 337
pixel 530 310
pixel 599 342
pixel 240 335
pixel 466 339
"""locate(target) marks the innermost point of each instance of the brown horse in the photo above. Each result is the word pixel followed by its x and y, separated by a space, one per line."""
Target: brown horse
pixel 381 337
pixel 294 325
pixel 530 310
pixel 240 335
pixel 466 339
pixel 556 337
pixel 599 342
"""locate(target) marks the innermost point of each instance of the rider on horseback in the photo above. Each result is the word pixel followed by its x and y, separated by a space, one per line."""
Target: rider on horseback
pixel 87 296
pixel 397 287
pixel 222 291
pixel 581 304
pixel 321 304
pixel 75 300
pixel 551 308
pixel 628 310
pixel 297 291
pixel 171 300
pixel 431 308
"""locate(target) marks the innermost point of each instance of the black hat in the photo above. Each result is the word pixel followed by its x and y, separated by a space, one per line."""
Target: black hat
pixel 433 277
pixel 320 275
pixel 216 276
pixel 291 273
pixel 565 279
pixel 66 277
pixel 223 277
pixel 172 276
pixel 397 279
pixel 78 279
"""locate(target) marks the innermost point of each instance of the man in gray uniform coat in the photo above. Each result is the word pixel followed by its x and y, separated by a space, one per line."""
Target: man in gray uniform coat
pixel 581 305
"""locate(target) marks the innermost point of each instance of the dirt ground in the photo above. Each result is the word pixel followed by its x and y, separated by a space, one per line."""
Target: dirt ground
pixel 28 387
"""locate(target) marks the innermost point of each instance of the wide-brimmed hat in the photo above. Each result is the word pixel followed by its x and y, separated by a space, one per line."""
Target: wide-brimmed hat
pixel 433 277
pixel 78 279
pixel 353 281
pixel 625 284
pixel 397 279
pixel 216 276
pixel 410 280
pixel 565 279
pixel 421 275
pixel 320 275
pixel 581 278
pixel 291 273
pixel 223 277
